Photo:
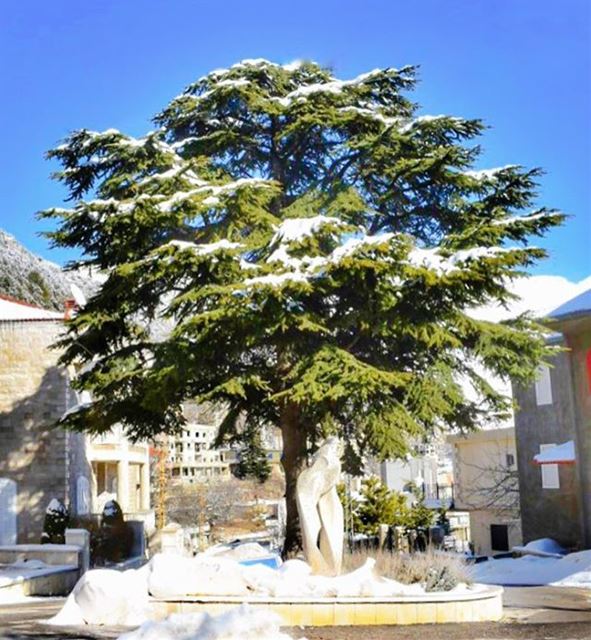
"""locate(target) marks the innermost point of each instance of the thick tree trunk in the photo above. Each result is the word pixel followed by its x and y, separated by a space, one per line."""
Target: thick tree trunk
pixel 293 461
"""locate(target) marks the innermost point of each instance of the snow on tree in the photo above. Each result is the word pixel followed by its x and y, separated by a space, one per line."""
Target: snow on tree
pixel 315 247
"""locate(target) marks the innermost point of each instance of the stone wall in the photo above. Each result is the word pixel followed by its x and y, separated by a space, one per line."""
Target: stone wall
pixel 34 393
pixel 554 513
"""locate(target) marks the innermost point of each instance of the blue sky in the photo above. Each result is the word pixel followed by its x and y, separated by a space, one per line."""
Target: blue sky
pixel 523 66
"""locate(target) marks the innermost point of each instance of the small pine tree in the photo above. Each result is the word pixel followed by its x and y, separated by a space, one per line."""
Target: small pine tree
pixel 420 516
pixel 115 537
pixel 55 523
pixel 253 462
pixel 378 505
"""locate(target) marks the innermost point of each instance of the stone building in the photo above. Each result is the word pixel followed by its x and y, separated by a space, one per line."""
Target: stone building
pixel 487 487
pixel 554 415
pixel 38 461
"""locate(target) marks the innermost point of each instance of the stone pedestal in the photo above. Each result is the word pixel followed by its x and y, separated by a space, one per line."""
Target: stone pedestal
pixel 80 538
pixel 172 539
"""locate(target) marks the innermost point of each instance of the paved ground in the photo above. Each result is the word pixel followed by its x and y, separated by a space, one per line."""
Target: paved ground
pixel 23 622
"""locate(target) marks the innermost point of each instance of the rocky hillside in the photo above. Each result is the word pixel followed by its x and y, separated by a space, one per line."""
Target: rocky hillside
pixel 27 277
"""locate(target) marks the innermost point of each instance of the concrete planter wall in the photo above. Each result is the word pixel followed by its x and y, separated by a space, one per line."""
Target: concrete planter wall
pixel 482 604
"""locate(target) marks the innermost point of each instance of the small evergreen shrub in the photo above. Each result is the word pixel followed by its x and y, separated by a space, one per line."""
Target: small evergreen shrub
pixel 57 520
pixel 114 539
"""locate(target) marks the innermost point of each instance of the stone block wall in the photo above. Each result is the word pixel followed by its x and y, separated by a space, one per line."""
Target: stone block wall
pixel 34 393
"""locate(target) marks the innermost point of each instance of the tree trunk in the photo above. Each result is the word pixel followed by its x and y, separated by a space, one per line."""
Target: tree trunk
pixel 293 461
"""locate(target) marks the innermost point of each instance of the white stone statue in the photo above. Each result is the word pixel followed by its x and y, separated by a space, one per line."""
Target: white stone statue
pixel 320 510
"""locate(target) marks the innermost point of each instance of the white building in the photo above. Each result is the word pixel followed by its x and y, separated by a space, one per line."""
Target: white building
pixel 191 454
pixel 428 470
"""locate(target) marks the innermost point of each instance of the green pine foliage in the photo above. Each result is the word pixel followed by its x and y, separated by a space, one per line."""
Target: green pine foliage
pixel 314 248
pixel 378 505
pixel 253 462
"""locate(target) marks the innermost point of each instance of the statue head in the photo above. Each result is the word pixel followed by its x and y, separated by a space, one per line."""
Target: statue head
pixel 332 447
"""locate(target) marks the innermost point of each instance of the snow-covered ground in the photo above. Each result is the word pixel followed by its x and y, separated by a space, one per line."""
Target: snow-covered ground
pixel 242 623
pixel 572 570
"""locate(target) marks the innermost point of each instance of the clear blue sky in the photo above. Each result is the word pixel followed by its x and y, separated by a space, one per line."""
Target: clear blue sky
pixel 522 65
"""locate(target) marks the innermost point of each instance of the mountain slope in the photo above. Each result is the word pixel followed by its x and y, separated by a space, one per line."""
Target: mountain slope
pixel 29 278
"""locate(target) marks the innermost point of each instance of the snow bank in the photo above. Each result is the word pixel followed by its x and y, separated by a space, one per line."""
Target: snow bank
pixel 542 547
pixel 175 576
pixel 105 596
pixel 171 576
pixel 242 623
pixel 571 570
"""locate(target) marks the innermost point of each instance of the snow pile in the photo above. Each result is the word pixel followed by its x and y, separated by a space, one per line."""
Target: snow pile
pixel 209 575
pixel 542 547
pixel 568 571
pixel 106 596
pixel 242 623
pixel 172 575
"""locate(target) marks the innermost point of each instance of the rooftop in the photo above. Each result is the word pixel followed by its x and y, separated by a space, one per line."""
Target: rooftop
pixel 12 310
pixel 577 306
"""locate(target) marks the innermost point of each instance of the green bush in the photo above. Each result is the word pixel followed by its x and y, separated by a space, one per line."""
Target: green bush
pixel 113 541
pixel 55 523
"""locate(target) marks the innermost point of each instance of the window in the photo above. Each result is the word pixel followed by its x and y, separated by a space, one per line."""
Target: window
pixel 499 537
pixel 543 386
pixel 509 459
pixel 550 478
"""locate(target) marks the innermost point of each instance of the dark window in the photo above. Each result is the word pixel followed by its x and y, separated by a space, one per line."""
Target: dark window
pixel 499 537
pixel 510 459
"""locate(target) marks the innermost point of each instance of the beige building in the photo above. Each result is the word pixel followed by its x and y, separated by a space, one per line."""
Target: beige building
pixel 38 461
pixel 191 455
pixel 486 485
pixel 120 470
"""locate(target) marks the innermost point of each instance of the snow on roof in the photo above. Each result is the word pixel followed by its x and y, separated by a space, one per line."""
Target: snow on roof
pixel 15 310
pixel 579 305
pixel 560 454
